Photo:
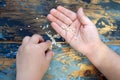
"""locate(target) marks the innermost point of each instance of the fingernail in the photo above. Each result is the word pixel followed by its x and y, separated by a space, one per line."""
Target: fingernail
pixel 52 10
pixel 59 7
pixel 79 9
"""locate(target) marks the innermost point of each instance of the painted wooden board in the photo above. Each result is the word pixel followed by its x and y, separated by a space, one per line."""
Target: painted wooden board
pixel 67 64
pixel 19 18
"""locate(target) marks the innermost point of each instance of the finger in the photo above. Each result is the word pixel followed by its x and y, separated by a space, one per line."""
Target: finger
pixel 53 19
pixel 49 55
pixel 70 14
pixel 82 18
pixel 45 45
pixel 20 49
pixel 36 39
pixel 61 16
pixel 58 29
pixel 25 40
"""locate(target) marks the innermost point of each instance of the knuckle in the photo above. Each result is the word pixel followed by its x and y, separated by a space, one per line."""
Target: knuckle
pixel 59 7
pixel 53 11
pixel 26 37
pixel 35 35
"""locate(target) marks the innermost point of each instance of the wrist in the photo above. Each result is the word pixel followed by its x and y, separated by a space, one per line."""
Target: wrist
pixel 97 54
pixel 94 49
pixel 28 76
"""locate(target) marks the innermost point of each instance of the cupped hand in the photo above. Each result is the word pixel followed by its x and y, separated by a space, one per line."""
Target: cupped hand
pixel 76 28
pixel 33 58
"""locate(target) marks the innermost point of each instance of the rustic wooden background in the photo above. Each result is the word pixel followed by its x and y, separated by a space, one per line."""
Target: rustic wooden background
pixel 19 18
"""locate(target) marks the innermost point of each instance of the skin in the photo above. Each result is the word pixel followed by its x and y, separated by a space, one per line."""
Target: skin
pixel 80 33
pixel 32 61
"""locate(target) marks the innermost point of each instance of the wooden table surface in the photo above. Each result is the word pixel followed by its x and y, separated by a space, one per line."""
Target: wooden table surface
pixel 19 18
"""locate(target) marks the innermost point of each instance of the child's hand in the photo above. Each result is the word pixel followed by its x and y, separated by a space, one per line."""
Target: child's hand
pixel 77 29
pixel 32 58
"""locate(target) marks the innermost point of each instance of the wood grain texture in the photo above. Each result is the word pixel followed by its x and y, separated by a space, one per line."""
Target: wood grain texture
pixel 29 16
pixel 19 18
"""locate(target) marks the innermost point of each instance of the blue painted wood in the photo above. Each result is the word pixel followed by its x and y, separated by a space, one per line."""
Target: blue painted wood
pixel 62 66
pixel 28 17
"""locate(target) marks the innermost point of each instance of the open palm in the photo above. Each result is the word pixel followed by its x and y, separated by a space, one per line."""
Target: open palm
pixel 75 28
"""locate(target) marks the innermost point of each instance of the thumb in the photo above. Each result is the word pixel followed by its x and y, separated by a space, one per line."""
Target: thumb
pixel 49 55
pixel 82 18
